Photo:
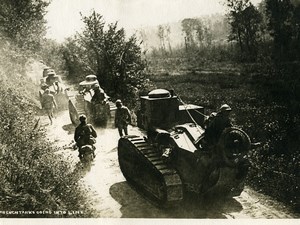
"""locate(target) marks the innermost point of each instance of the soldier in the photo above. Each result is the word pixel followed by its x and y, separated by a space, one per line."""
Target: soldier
pixel 99 95
pixel 85 134
pixel 57 87
pixel 216 123
pixel 122 118
pixel 50 78
pixel 48 103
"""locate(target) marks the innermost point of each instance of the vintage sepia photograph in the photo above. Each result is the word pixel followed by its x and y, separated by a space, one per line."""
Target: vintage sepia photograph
pixel 142 112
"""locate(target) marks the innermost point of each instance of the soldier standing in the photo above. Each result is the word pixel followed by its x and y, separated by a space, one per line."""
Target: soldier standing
pixel 99 95
pixel 216 124
pixel 48 103
pixel 122 118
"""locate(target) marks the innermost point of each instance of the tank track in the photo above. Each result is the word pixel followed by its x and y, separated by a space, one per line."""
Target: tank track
pixel 80 104
pixel 143 168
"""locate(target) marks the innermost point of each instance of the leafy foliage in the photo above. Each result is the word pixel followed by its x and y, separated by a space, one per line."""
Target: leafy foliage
pixel 22 21
pixel 259 108
pixel 31 171
pixel 116 61
pixel 244 19
pixel 32 178
pixel 196 33
pixel 51 53
pixel 284 26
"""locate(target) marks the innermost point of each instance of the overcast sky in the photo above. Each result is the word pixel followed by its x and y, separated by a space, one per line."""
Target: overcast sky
pixel 64 19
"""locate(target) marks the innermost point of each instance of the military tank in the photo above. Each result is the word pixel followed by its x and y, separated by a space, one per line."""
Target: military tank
pixel 99 112
pixel 167 163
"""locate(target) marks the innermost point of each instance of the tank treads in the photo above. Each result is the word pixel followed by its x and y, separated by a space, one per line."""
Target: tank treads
pixel 170 178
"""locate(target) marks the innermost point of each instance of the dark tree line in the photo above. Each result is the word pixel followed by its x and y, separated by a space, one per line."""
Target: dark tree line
pixel 274 22
pixel 284 26
pixel 269 30
pixel 244 21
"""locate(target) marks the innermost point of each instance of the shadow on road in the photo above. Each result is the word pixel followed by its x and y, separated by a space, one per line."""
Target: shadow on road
pixel 80 170
pixel 134 205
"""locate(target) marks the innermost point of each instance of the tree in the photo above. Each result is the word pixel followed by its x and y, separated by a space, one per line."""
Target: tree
pixel 22 21
pixel 168 39
pixel 197 33
pixel 75 59
pixel 161 36
pixel 245 20
pixel 282 26
pixel 188 27
pixel 116 60
pixel 199 28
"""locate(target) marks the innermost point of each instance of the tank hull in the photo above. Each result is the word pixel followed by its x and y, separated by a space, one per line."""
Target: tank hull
pixel 144 169
pixel 101 114
pixel 188 173
pixel 175 161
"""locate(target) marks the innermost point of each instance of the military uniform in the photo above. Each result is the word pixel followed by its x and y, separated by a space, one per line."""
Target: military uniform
pixel 84 134
pixel 98 97
pixel 48 103
pixel 216 126
pixel 216 123
pixel 122 119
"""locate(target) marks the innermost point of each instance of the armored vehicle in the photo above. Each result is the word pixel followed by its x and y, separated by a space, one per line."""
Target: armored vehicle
pixel 54 83
pixel 91 100
pixel 47 71
pixel 168 164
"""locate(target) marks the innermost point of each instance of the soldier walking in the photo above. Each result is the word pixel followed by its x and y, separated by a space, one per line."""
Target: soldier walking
pixel 48 104
pixel 122 118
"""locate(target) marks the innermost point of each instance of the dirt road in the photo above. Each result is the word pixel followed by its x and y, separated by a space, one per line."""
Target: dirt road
pixel 112 197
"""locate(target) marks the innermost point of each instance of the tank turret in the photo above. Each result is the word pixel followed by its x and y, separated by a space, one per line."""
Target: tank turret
pixel 91 100
pixel 169 163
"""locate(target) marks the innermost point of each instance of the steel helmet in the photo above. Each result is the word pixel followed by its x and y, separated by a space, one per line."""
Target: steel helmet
pixel 82 118
pixel 96 86
pixel 118 102
pixel 224 108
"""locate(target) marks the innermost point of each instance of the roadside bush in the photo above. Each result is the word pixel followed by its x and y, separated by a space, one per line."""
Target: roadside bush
pixel 104 50
pixel 34 178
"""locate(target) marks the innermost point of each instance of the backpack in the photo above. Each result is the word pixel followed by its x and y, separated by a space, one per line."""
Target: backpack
pixel 86 135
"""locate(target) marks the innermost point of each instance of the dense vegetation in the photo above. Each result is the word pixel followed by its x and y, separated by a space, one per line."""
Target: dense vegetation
pixel 107 53
pixel 33 177
pixel 256 72
pixel 266 112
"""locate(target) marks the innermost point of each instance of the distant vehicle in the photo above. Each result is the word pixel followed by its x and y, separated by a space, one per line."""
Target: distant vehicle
pixel 54 83
pixel 169 164
pixel 81 102
pixel 47 71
